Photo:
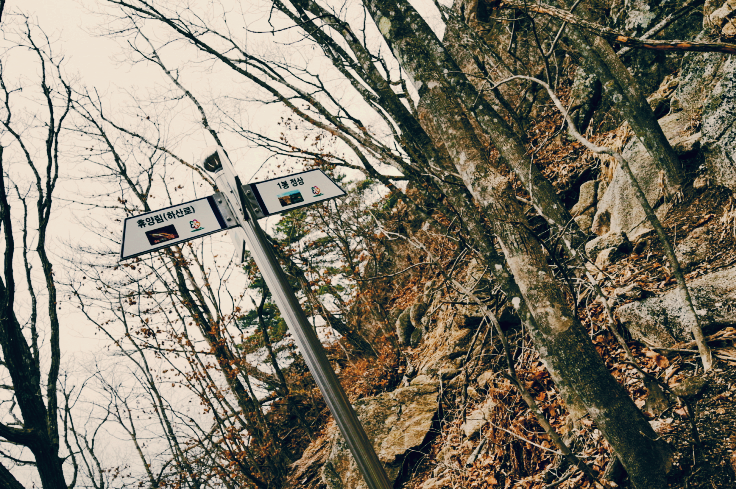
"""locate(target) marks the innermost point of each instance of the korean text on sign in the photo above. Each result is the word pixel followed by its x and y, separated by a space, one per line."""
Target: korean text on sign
pixel 295 182
pixel 165 216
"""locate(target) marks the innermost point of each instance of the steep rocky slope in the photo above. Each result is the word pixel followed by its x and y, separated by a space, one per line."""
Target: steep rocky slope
pixel 456 419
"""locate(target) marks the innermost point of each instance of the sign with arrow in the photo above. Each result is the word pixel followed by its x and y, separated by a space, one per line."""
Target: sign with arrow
pixel 301 189
pixel 180 223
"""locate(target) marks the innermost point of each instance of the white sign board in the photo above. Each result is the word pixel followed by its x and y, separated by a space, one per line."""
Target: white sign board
pixel 184 222
pixel 289 192
pixel 165 227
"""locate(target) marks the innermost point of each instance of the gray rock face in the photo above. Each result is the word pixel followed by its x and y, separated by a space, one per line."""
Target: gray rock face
pixel 586 199
pixel 396 422
pixel 719 128
pixel 440 346
pixel 618 209
pixel 616 240
pixel 584 222
pixel 707 93
pixel 636 17
pixel 661 321
pixel 700 72
pixel 693 249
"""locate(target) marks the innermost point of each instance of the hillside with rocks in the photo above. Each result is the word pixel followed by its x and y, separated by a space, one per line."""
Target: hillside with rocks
pixel 507 232
pixel 453 417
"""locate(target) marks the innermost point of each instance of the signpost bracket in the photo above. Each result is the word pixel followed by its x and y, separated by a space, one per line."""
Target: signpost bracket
pixel 251 193
pixel 227 215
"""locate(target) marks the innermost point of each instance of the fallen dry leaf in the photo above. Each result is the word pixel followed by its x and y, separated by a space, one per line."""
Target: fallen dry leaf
pixel 703 220
pixel 659 359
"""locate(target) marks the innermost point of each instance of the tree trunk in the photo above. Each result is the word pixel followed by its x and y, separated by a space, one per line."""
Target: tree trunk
pixel 35 433
pixel 40 436
pixel 601 60
pixel 561 340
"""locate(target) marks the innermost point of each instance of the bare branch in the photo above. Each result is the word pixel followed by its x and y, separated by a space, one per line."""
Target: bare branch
pixel 619 37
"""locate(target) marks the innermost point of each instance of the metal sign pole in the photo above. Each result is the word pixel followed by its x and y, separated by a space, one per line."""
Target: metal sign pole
pixel 306 338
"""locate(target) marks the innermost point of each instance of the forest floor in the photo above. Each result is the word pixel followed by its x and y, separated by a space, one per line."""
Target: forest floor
pixel 706 442
pixel 711 462
pixel 702 431
pixel 511 450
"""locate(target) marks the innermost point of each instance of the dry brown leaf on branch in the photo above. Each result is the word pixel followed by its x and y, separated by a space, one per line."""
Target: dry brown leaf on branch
pixel 659 359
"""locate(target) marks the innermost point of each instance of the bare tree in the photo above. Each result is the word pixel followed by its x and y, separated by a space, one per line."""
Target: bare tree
pixel 440 144
pixel 176 309
pixel 27 183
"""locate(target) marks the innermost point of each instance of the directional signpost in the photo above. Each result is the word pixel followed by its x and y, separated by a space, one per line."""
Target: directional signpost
pixel 176 224
pixel 158 229
pixel 240 206
pixel 283 194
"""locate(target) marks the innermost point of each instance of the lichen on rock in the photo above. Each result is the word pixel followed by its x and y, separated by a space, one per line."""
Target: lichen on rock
pixel 662 321
pixel 396 422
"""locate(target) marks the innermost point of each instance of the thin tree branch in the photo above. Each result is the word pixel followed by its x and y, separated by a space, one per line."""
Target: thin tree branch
pixel 619 37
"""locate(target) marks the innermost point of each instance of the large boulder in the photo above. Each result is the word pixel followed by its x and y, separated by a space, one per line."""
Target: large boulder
pixel 707 93
pixel 694 249
pixel 698 75
pixel 662 321
pixel 619 210
pixel 719 128
pixel 586 200
pixel 397 423
pixel 617 241
pixel 584 222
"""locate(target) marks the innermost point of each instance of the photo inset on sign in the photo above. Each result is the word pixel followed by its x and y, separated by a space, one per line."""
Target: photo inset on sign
pixel 290 198
pixel 160 235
